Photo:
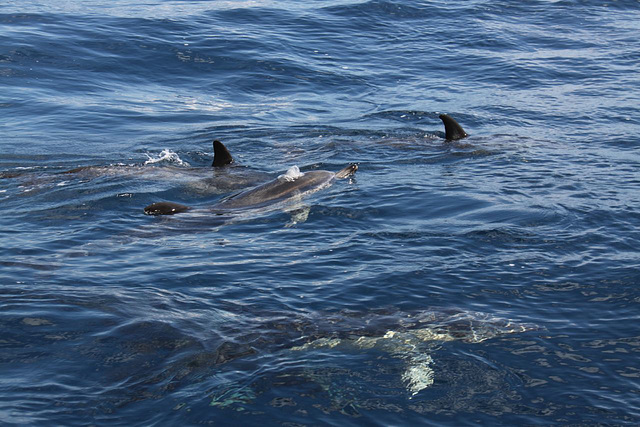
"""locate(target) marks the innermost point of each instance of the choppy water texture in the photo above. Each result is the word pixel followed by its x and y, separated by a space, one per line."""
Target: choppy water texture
pixel 492 280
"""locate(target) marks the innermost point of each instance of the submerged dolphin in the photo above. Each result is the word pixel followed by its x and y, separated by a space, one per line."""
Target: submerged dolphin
pixel 156 356
pixel 293 184
pixel 408 336
pixel 223 176
pixel 221 157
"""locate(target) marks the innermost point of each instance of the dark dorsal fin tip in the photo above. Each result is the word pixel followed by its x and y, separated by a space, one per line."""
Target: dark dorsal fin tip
pixel 221 155
pixel 452 129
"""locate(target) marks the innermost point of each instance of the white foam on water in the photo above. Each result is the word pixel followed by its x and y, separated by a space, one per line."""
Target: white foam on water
pixel 26 168
pixel 292 174
pixel 166 156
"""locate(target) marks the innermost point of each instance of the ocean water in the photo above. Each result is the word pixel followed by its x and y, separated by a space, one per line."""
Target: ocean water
pixel 492 280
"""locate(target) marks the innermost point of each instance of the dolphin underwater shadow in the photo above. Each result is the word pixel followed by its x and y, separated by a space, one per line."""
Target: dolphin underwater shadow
pixel 290 186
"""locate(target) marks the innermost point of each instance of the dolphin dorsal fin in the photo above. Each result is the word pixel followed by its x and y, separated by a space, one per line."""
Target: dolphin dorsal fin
pixel 221 155
pixel 452 129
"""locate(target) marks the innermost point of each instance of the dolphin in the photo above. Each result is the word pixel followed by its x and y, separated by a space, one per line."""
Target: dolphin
pixel 410 336
pixel 221 158
pixel 291 185
pixel 163 357
pixel 224 175
pixel 453 131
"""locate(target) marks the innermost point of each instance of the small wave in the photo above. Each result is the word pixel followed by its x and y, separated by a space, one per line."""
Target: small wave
pixel 292 174
pixel 166 156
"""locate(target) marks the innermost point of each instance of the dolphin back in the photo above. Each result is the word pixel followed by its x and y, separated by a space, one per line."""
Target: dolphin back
pixel 278 190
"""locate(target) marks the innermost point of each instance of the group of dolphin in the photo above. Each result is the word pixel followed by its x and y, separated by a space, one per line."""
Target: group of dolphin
pixel 409 336
pixel 403 335
pixel 289 185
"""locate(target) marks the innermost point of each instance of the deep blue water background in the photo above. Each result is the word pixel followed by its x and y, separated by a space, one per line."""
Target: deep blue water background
pixel 111 317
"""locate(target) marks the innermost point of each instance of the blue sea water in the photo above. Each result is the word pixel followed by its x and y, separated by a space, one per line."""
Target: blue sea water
pixel 492 280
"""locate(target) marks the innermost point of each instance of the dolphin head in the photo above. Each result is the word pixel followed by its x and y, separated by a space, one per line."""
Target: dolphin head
pixel 347 172
pixel 165 208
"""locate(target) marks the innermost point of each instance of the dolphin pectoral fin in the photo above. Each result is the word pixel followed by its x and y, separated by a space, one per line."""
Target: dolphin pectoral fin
pixel 165 208
pixel 221 155
pixel 347 172
pixel 418 373
pixel 452 129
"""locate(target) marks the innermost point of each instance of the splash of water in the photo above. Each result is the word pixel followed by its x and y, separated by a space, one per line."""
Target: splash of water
pixel 166 156
pixel 292 174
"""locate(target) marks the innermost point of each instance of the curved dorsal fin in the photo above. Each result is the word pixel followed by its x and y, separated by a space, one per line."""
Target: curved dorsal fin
pixel 221 155
pixel 452 129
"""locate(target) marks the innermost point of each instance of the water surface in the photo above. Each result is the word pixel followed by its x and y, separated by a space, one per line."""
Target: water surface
pixel 492 280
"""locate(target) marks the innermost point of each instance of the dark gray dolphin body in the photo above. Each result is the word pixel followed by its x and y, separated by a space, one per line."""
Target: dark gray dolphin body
pixel 223 177
pixel 164 172
pixel 288 186
pixel 284 187
pixel 221 158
